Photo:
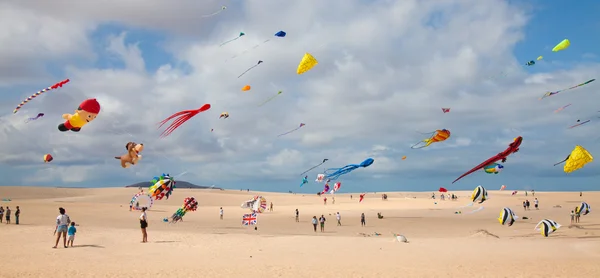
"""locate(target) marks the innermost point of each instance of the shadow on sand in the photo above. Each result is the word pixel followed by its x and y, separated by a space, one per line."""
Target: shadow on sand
pixel 87 245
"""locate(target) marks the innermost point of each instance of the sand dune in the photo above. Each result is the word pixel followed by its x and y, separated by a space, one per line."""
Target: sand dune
pixel 442 243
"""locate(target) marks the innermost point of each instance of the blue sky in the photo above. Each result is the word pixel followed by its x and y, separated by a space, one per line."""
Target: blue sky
pixel 383 75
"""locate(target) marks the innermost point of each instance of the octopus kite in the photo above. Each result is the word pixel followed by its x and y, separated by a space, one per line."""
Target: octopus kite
pixel 512 148
pixel 181 117
pixel 436 136
pixel 578 158
pixel 334 173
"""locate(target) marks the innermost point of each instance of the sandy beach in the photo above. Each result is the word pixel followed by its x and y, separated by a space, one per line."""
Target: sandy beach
pixel 442 243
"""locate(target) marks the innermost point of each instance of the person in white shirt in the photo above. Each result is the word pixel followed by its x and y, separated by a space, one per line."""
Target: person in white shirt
pixel 535 202
pixel 62 223
pixel 144 225
pixel 221 213
pixel 339 219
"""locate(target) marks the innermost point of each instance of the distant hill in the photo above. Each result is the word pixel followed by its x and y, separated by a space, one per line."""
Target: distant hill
pixel 179 184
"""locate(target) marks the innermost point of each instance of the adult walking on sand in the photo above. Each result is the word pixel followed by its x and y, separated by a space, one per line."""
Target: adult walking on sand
pixel 144 225
pixel 62 223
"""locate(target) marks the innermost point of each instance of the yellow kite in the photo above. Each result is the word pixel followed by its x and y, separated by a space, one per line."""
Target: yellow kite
pixel 578 158
pixel 562 45
pixel 307 63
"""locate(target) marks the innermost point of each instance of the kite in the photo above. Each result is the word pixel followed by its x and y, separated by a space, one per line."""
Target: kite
pixel 336 187
pixel 180 118
pixel 324 160
pixel 224 115
pixel 514 193
pixel 189 204
pixel 133 156
pixel 301 125
pixel 246 88
pixel 502 187
pixel 215 13
pixel 39 115
pixel 307 63
pixel 55 86
pixel 507 217
pixel 564 44
pixel 258 204
pixel 530 63
pixel 335 173
pixel 47 158
pixel 162 187
pixel 547 226
pixel 562 108
pixel 443 190
pixel 249 219
pixel 445 110
pixel 540 57
pixel 320 178
pixel 578 158
pixel 259 62
pixel 493 168
pixel 584 208
pixel 325 188
pixel 512 148
pixel 566 89
pixel 271 98
pixel 239 36
pixel 436 136
pixel 479 194
pixel 135 201
pixel 304 181
pixel 87 111
pixel 362 196
pixel 280 34
pixel 579 123
pixel 404 157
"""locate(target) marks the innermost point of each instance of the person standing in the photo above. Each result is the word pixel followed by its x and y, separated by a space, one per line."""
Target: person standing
pixel 144 225
pixel 325 200
pixel 322 221
pixel 363 222
pixel 17 214
pixel 535 203
pixel 1 214
pixel 314 222
pixel 297 216
pixel 524 205
pixel 221 213
pixel 333 200
pixel 7 212
pixel 271 207
pixel 338 217
pixel 577 214
pixel 71 233
pixel 573 216
pixel 527 204
pixel 62 222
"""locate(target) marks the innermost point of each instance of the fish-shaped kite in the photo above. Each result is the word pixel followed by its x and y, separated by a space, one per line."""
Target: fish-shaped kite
pixel 512 148
pixel 547 226
pixel 507 217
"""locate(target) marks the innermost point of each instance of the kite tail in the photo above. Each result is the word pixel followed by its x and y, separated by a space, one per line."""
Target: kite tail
pixel 228 41
pixel 563 160
pixel 246 71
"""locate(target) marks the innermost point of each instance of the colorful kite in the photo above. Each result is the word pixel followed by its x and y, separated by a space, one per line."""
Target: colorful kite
pixel 512 148
pixel 307 63
pixel 334 173
pixel 324 160
pixel 578 158
pixel 39 115
pixel 304 181
pixel 189 204
pixel 55 86
pixel 215 13
pixel 336 187
pixel 135 201
pixel 224 115
pixel 246 88
pixel 566 89
pixel 301 125
pixel 436 136
pixel 362 196
pixel 259 62
pixel 562 108
pixel 258 204
pixel 180 118
pixel 325 188
pixel 479 194
pixel 320 178
pixel 280 34
pixel 47 158
pixel 583 209
pixel 445 110
pixel 87 111
pixel 493 168
pixel 547 226
pixel 502 187
pixel 271 98
pixel 507 217
pixel 239 36
pixel 161 187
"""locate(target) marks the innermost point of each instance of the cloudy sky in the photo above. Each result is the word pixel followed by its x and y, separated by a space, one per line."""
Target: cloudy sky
pixel 386 68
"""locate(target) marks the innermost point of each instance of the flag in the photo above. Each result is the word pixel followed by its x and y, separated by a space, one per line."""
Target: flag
pixel 249 219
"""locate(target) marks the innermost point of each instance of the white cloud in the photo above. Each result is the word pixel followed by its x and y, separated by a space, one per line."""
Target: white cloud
pixel 385 70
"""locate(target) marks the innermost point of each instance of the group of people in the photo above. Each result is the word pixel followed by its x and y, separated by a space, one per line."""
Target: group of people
pixel 526 204
pixel 321 220
pixel 64 227
pixel 5 214
pixel 575 214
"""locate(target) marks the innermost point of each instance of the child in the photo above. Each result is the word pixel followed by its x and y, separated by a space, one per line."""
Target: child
pixel 71 233
pixel 572 217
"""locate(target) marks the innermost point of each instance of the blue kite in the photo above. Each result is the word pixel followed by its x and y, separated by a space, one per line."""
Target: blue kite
pixel 334 173
pixel 280 34
pixel 304 181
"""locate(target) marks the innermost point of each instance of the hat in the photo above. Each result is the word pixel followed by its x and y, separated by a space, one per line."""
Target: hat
pixel 90 105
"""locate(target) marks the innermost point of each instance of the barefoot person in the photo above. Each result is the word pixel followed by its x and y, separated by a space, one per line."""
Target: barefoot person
pixel 71 233
pixel 144 225
pixel 7 213
pixel 62 222
pixel 17 214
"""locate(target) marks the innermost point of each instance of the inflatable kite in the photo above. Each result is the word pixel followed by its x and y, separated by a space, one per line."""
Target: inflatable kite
pixel 215 13
pixel 246 88
pixel 507 217
pixel 241 34
pixel 404 157
pixel 224 115
pixel 307 63
pixel 336 187
pixel 436 136
pixel 180 118
pixel 512 148
pixel 362 196
pixel 146 200
pixel 324 160
pixel 320 178
pixel 334 173
pixel 502 187
pixel 493 168
pixel 258 63
pixel 39 115
pixel 578 158
pixel 304 181
pixel 189 204
pixel 479 194
pixel 258 204
pixel 55 86
pixel 271 98
pixel 301 125
pixel 87 111
pixel 48 158
pixel 280 34
pixel 162 187
pixel 562 108
pixel 564 44
pixel 442 190
pixel 547 226
pixel 584 208
pixel 566 89
pixel 325 188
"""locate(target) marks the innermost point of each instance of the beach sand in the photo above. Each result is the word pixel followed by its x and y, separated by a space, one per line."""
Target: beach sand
pixel 442 243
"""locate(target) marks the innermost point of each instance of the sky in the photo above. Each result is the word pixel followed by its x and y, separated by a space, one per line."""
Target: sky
pixel 386 68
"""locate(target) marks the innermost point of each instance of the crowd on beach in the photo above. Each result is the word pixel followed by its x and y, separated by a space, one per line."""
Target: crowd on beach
pixel 5 214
